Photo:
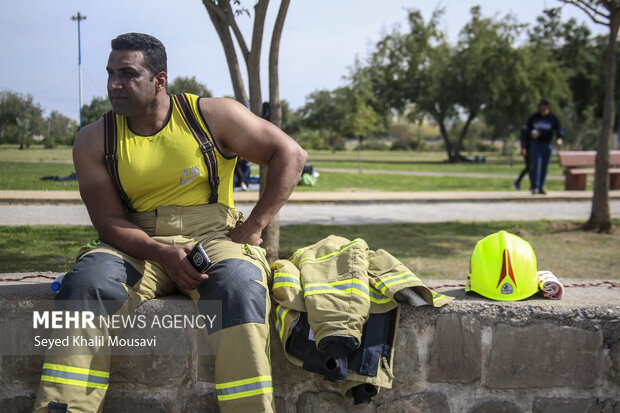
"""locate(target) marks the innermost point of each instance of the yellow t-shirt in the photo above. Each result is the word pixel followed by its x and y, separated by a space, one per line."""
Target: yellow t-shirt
pixel 168 167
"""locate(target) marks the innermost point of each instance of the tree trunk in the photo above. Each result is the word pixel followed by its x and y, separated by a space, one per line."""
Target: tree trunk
pixel 359 154
pixel 221 27
pixel 271 233
pixel 463 134
pixel 253 60
pixel 600 218
pixel 446 138
pixel 274 55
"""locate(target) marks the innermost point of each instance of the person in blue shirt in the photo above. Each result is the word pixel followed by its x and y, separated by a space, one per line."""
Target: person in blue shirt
pixel 542 126
pixel 525 152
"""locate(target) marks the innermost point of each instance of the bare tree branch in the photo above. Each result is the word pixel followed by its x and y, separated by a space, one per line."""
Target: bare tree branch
pixel 221 27
pixel 230 18
pixel 213 7
pixel 225 12
pixel 590 10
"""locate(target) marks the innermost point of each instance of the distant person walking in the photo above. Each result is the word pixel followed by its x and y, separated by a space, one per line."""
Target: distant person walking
pixel 525 152
pixel 541 127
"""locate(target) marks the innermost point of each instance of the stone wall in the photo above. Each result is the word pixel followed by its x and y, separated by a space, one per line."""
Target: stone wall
pixel 471 356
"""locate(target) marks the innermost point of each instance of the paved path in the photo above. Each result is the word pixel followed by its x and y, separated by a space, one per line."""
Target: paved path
pixel 345 213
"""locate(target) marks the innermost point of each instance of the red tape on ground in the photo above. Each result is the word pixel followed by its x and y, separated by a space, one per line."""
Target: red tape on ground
pixel 611 284
pixel 49 277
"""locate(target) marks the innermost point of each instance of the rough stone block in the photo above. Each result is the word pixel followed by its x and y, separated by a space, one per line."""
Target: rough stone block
pixel 205 370
pixel 610 406
pixel 326 402
pixel 614 355
pixel 24 369
pixel 18 404
pixel 206 403
pixel 496 407
pixel 544 356
pixel 456 351
pixel 406 357
pixel 557 405
pixel 149 370
pixel 136 405
pixel 280 404
pixel 429 402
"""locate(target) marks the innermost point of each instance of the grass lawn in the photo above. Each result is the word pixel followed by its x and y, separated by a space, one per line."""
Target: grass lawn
pixel 431 250
pixel 22 169
pixel 336 181
pixel 473 168
pixel 36 153
pixel 27 175
pixel 42 247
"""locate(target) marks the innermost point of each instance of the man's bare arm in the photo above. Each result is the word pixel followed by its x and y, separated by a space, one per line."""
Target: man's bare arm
pixel 239 131
pixel 108 214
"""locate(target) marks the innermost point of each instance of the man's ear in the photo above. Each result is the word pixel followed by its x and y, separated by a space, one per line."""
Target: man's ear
pixel 161 81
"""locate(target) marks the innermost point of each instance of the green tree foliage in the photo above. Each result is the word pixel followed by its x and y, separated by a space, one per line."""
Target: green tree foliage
pixel 95 109
pixel 571 46
pixel 577 57
pixel 482 75
pixel 20 118
pixel 184 84
pixel 487 78
pixel 60 129
pixel 324 112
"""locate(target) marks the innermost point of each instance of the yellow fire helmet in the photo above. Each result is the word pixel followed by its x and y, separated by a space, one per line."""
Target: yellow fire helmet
pixel 503 267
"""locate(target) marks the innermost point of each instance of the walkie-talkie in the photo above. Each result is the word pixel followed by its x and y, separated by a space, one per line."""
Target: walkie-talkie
pixel 199 258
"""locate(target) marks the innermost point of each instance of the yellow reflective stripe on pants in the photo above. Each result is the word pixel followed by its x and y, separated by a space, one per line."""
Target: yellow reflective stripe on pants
pixel 244 388
pixel 404 277
pixel 75 376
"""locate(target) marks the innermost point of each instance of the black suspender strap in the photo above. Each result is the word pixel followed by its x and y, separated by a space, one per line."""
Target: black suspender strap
pixel 204 142
pixel 111 160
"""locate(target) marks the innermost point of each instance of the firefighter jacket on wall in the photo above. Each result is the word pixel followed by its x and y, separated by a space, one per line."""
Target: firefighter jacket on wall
pixel 335 305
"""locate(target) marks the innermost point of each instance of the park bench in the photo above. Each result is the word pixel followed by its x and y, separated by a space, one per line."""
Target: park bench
pixel 576 163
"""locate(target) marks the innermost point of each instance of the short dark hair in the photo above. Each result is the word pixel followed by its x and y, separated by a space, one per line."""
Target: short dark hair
pixel 155 58
pixel 543 101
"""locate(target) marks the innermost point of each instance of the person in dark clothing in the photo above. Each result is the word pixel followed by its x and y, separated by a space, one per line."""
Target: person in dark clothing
pixel 242 174
pixel 541 127
pixel 525 152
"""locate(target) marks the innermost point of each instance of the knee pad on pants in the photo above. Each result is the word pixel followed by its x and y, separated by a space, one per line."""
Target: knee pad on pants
pixel 95 284
pixel 234 283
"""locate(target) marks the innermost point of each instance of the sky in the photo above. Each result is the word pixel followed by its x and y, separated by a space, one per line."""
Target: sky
pixel 320 42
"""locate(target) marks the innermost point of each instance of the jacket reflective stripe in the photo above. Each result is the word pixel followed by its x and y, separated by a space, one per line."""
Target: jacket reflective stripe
pixel 377 297
pixel 297 254
pixel 395 280
pixel 75 376
pixel 350 286
pixel 330 255
pixel 282 279
pixel 282 311
pixel 243 388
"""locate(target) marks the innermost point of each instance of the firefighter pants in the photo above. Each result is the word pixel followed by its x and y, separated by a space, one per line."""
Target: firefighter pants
pixel 239 277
